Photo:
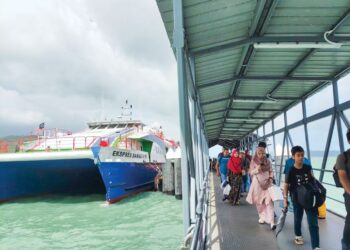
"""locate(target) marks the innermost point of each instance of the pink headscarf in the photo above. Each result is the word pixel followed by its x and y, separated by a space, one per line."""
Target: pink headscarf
pixel 265 163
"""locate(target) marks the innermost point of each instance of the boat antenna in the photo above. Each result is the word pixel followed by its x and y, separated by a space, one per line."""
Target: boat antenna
pixel 126 110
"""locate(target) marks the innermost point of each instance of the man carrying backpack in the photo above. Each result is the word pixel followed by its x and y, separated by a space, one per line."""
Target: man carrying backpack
pixel 299 175
pixel 343 167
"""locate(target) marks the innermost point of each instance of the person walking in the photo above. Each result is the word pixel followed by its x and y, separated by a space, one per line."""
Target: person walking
pixel 235 177
pixel 245 170
pixel 262 175
pixel 343 167
pixel 297 176
pixel 221 165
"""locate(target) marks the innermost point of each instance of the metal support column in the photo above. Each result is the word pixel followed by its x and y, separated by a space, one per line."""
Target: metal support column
pixel 286 131
pixel 195 189
pixel 328 143
pixel 187 163
pixel 290 140
pixel 283 146
pixel 264 131
pixel 273 138
pixel 305 129
pixel 201 153
pixel 337 115
pixel 345 120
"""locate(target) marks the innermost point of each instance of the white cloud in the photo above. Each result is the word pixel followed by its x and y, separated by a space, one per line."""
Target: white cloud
pixel 59 60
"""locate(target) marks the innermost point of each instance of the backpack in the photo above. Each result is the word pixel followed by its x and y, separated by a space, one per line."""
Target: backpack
pixel 335 171
pixel 311 194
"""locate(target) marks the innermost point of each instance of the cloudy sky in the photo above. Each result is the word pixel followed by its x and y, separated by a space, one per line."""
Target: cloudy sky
pixel 67 62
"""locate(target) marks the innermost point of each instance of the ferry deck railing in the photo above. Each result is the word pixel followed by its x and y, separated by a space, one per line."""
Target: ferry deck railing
pixel 73 142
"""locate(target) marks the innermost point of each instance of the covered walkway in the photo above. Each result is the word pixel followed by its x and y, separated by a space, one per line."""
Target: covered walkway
pixel 258 70
pixel 236 227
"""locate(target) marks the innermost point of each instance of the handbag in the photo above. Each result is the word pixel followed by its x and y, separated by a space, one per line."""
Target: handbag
pixel 275 193
pixel 264 185
pixel 227 189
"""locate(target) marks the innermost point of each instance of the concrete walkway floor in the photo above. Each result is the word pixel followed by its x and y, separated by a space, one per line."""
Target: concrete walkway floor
pixel 237 227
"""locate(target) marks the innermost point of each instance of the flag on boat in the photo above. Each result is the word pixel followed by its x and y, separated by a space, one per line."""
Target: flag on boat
pixel 42 125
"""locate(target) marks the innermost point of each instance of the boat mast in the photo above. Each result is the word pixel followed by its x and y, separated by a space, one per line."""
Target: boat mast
pixel 126 110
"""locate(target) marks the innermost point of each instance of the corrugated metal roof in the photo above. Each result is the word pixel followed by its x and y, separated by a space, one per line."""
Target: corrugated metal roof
pixel 241 87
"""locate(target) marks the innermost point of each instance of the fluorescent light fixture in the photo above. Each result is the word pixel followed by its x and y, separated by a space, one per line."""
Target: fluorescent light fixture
pixel 236 129
pixel 255 100
pixel 296 46
pixel 229 129
pixel 243 119
pixel 233 132
pixel 236 120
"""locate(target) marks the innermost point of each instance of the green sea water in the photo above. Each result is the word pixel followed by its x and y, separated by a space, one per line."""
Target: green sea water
pixel 150 220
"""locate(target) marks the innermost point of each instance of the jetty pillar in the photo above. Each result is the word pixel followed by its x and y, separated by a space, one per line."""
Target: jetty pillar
pixel 172 176
pixel 168 177
pixel 178 180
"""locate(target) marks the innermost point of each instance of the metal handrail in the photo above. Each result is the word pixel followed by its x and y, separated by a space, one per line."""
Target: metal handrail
pixel 342 202
pixel 330 184
pixel 323 170
pixel 201 214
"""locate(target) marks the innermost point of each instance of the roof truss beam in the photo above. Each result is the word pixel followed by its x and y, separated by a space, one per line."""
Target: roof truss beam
pixel 333 28
pixel 250 98
pixel 248 53
pixel 272 39
pixel 266 78
pixel 237 118
pixel 241 109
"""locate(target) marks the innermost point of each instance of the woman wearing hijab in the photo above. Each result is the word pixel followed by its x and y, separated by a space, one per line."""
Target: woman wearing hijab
pixel 235 177
pixel 262 175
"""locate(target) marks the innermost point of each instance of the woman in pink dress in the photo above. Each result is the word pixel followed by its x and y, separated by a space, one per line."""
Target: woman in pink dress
pixel 261 174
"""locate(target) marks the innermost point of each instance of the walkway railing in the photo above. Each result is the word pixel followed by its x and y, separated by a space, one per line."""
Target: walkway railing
pixel 278 171
pixel 201 229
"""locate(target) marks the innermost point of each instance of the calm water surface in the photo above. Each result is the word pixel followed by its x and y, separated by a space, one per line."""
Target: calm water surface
pixel 148 221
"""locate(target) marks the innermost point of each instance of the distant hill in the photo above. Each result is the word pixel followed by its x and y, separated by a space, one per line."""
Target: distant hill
pixel 13 140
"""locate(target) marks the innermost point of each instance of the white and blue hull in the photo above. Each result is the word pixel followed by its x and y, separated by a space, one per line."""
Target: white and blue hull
pixel 34 174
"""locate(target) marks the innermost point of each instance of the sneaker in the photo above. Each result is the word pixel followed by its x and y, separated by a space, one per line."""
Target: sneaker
pixel 318 248
pixel 299 240
pixel 273 226
pixel 261 221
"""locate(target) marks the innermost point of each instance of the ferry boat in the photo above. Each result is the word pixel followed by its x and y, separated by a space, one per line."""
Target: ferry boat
pixel 131 164
pixel 119 158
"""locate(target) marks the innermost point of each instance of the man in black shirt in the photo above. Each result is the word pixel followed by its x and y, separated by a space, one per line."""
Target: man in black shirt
pixel 343 166
pixel 298 175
